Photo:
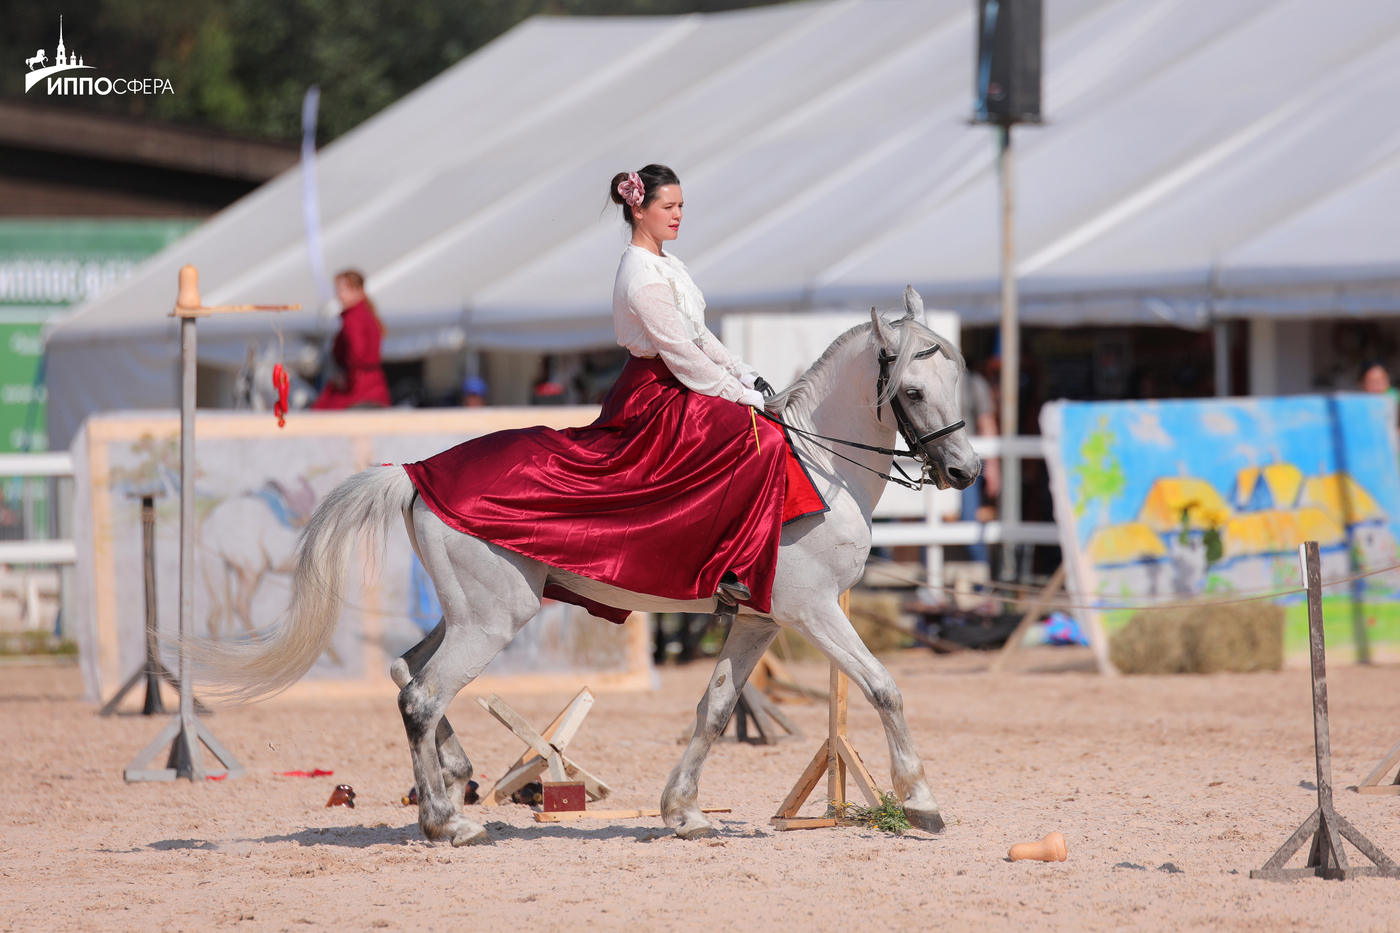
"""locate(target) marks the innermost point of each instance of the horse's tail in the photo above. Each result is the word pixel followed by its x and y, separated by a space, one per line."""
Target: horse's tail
pixel 367 501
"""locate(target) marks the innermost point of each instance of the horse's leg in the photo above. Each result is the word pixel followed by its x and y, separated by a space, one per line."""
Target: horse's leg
pixel 830 631
pixel 456 766
pixel 749 637
pixel 217 601
pixel 249 583
pixel 487 594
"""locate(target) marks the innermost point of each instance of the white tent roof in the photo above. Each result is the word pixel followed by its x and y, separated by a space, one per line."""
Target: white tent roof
pixel 1197 155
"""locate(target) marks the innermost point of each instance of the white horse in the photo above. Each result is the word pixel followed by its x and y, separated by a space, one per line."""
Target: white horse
pixel 488 592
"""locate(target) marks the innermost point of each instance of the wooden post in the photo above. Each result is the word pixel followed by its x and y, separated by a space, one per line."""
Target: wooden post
pixel 836 757
pixel 185 732
pixel 1042 599
pixel 1327 827
pixel 154 669
pixel 836 729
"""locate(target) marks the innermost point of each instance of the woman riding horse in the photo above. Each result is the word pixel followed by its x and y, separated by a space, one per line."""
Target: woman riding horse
pixel 676 486
pixel 676 466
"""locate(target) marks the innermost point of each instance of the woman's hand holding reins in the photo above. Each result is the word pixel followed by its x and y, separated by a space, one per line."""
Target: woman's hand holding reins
pixel 752 380
pixel 752 398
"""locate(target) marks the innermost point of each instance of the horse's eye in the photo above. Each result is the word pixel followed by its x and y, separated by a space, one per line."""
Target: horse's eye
pixel 914 394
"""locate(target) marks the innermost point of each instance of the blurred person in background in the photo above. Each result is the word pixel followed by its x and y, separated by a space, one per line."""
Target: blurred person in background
pixel 474 390
pixel 359 381
pixel 979 410
pixel 1375 378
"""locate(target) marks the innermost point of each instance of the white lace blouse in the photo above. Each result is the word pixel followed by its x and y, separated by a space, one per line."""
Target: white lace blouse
pixel 658 311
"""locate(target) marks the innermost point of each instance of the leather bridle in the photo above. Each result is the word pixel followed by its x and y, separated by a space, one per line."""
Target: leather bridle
pixel 902 421
pixel 903 424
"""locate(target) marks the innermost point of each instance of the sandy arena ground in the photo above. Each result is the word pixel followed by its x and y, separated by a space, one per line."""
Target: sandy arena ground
pixel 1207 773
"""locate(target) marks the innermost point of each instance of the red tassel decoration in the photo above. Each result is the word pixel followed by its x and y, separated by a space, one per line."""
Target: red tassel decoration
pixel 282 384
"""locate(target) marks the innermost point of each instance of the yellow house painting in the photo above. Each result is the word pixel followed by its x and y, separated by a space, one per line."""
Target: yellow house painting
pixel 1271 510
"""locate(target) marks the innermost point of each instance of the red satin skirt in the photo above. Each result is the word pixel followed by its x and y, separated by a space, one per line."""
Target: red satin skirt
pixel 663 494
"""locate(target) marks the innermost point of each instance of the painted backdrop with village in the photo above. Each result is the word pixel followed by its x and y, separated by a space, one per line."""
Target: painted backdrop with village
pixel 1165 500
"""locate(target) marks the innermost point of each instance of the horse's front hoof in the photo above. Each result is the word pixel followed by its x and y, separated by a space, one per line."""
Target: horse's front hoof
pixel 696 831
pixel 471 834
pixel 690 825
pixel 930 821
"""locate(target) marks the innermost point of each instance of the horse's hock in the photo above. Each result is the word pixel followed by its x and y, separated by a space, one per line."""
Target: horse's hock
pixel 1246 636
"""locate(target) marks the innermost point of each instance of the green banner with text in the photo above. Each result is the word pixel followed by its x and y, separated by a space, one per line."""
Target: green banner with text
pixel 46 266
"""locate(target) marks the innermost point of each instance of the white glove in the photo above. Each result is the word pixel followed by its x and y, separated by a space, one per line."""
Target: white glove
pixel 748 379
pixel 751 398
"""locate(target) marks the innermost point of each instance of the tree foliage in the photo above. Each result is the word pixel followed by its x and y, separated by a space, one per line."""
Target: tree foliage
pixel 1099 472
pixel 243 65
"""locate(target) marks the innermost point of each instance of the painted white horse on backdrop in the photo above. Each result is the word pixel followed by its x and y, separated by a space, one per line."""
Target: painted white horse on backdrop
pixel 488 592
pixel 246 539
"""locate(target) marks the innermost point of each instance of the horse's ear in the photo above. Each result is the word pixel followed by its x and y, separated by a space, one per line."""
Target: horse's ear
pixel 913 305
pixel 884 333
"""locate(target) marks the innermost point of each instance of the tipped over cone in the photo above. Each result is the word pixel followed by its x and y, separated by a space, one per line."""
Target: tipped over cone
pixel 1050 849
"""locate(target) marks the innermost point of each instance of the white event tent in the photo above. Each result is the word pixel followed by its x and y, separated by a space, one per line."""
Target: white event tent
pixel 1200 159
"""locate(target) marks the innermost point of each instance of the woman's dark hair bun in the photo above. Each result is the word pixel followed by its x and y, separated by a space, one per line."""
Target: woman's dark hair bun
pixel 618 179
pixel 654 178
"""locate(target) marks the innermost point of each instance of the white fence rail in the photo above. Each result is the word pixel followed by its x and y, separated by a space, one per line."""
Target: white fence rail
pixel 928 505
pixel 37 551
pixel 893 526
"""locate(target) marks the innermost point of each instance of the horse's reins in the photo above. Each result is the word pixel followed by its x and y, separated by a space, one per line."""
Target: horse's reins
pixel 903 424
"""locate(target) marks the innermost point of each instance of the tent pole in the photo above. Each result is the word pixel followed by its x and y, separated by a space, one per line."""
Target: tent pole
pixel 1010 506
pixel 1222 359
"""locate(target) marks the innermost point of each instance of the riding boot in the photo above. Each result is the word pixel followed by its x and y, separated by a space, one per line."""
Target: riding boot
pixel 731 592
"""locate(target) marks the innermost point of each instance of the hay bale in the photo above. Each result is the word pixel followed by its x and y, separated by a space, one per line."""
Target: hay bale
pixel 866 607
pixel 1201 640
pixel 876 617
pixel 1151 643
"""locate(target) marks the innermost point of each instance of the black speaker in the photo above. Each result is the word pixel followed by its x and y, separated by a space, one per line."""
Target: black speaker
pixel 1008 61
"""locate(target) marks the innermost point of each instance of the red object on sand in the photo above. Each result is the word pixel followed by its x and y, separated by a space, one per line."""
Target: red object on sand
pixel 563 795
pixel 361 383
pixel 312 774
pixel 663 472
pixel 342 796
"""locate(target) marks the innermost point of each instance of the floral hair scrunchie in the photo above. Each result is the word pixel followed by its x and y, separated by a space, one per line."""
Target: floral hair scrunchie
pixel 632 190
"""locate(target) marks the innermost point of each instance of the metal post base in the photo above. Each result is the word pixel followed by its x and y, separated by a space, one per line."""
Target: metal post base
pixel 154 703
pixel 1325 826
pixel 184 760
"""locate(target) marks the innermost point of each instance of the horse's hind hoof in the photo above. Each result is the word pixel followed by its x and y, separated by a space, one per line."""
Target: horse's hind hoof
pixel 471 837
pixel 928 821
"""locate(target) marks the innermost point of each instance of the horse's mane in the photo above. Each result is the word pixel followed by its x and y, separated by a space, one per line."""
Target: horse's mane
pixel 913 337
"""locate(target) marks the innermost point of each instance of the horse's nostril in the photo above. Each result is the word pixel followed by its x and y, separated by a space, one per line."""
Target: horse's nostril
pixel 959 478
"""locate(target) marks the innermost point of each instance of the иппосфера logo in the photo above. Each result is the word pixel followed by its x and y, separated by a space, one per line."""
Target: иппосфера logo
pixel 65 60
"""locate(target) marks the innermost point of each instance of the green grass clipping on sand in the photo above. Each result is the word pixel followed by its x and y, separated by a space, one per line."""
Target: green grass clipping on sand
pixel 887 815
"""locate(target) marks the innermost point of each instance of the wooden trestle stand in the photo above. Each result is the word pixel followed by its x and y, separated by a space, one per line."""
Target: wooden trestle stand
pixel 1325 825
pixel 1372 783
pixel 185 732
pixel 836 757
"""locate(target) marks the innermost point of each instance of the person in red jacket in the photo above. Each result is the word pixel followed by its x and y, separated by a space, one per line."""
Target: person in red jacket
pixel 360 382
